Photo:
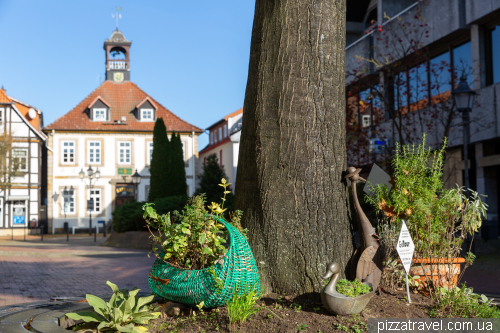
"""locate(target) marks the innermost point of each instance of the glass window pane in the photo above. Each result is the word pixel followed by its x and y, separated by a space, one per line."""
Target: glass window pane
pixel 495 53
pixel 400 90
pixel 440 77
pixel 418 87
pixel 462 63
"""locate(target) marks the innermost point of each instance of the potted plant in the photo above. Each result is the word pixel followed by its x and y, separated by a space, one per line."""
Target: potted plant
pixel 193 264
pixel 438 219
pixel 343 297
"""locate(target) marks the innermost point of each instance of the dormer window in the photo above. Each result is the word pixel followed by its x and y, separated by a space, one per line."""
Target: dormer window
pixel 99 114
pixel 99 109
pixel 147 114
pixel 146 110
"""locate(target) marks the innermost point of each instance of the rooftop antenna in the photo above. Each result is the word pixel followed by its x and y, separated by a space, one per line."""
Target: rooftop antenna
pixel 117 15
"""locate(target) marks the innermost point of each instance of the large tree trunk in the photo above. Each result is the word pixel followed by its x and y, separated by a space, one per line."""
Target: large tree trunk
pixel 292 152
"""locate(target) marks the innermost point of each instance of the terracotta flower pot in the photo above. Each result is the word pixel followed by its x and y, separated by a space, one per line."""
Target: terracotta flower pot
pixel 443 272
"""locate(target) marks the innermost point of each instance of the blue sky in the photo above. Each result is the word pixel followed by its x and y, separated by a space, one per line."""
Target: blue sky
pixel 191 56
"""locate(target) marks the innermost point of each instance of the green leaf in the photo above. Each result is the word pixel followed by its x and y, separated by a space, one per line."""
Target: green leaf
pixel 87 316
pixel 104 324
pixel 113 286
pixel 129 306
pixel 186 231
pixel 207 250
pixel 202 239
pixel 99 305
pixel 126 328
pixel 143 301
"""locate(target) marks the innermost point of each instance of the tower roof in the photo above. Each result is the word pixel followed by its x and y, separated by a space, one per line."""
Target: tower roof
pixel 117 37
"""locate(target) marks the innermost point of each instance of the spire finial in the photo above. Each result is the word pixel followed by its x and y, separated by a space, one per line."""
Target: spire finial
pixel 117 16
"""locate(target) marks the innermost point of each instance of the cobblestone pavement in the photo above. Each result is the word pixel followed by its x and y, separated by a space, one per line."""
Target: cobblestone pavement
pixel 33 270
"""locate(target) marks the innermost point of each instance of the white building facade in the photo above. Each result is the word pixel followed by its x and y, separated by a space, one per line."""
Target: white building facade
pixel 111 131
pixel 224 142
pixel 23 197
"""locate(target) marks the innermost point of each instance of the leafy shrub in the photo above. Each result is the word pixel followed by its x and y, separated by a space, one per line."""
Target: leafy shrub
pixel 123 311
pixel 463 303
pixel 352 288
pixel 129 217
pixel 191 239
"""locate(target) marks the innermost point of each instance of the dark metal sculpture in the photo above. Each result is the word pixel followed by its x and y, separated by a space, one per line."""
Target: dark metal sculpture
pixel 367 259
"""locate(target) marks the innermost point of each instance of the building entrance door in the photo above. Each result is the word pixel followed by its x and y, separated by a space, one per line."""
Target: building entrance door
pixel 124 193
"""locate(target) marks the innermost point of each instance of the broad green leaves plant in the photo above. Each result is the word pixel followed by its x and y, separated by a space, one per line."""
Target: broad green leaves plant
pixel 352 288
pixel 123 311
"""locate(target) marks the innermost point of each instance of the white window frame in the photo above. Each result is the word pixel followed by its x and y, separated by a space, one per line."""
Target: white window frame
pixel 125 150
pixel 150 152
pixel 366 120
pixel 96 151
pixel 62 151
pixel 71 198
pixel 143 111
pixel 97 196
pixel 220 134
pixel 225 131
pixel 25 157
pixel 95 112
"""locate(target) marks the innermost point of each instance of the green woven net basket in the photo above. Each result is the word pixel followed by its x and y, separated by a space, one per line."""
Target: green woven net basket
pixel 238 271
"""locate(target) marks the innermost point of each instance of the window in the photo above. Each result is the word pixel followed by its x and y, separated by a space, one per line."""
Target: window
pixel 366 120
pixel 94 152
pixel 68 152
pixel 440 78
pixel 147 114
pixel 150 151
pixel 462 63
pixel 225 131
pixel 124 151
pixel 21 159
pixel 99 115
pixel 494 55
pixel 418 87
pixel 220 134
pixel 95 195
pixel 211 138
pixel 400 90
pixel 1 115
pixel 215 136
pixel 68 201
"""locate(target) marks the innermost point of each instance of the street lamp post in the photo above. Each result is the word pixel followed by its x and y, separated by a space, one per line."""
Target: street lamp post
pixel 136 179
pixel 464 100
pixel 93 177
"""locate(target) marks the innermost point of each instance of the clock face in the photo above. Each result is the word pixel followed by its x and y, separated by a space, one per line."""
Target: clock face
pixel 118 76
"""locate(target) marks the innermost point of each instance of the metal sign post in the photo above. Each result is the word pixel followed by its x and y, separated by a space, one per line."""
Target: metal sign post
pixel 405 248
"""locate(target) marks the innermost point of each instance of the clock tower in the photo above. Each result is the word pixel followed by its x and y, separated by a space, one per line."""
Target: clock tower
pixel 117 49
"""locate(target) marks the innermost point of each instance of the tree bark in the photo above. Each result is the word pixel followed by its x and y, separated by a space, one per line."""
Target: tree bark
pixel 292 151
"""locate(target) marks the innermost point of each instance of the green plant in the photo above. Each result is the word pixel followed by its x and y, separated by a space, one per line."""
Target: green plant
pixel 438 219
pixel 296 307
pixel 242 307
pixel 302 327
pixel 352 288
pixel 123 311
pixel 463 303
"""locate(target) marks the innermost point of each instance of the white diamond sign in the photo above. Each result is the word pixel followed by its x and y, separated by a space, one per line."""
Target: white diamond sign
pixel 405 247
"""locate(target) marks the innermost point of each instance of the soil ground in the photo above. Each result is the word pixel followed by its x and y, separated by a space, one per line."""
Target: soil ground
pixel 304 313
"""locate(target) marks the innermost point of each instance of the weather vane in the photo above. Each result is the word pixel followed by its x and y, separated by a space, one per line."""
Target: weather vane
pixel 117 15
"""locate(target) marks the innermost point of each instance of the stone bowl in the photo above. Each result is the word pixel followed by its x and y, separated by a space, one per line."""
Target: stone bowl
pixel 340 304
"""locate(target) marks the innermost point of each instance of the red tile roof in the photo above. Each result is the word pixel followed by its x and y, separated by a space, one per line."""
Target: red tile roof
pixel 4 98
pixel 100 99
pixel 235 113
pixel 123 98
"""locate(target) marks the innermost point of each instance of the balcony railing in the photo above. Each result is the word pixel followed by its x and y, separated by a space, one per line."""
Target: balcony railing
pixel 113 64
